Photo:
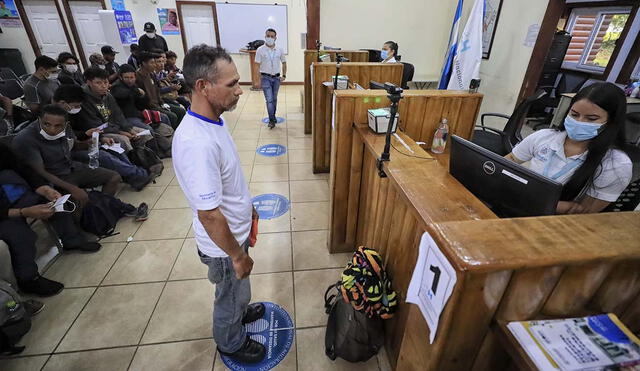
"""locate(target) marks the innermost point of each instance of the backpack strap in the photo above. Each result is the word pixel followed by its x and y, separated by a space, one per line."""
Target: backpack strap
pixel 328 300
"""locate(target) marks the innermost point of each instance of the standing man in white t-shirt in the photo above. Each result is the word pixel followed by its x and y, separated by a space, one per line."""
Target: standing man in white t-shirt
pixel 269 57
pixel 208 169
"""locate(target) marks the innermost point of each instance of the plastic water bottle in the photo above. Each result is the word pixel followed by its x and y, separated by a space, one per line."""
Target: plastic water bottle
pixel 440 137
pixel 94 163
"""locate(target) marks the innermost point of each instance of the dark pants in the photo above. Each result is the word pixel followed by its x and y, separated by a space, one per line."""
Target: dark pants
pixel 270 87
pixel 22 240
pixel 177 110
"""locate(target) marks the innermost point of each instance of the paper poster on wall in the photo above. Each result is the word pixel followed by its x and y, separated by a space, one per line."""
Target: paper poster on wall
pixel 117 5
pixel 490 22
pixel 169 21
pixel 9 16
pixel 124 21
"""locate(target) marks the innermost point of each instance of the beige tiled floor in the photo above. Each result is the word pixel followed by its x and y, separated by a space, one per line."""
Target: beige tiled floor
pixel 146 304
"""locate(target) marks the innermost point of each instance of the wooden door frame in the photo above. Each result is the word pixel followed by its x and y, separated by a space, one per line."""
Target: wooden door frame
pixel 214 12
pixel 74 28
pixel 32 37
pixel 313 23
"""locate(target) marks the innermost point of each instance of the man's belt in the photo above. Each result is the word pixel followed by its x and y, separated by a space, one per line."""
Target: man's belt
pixel 266 74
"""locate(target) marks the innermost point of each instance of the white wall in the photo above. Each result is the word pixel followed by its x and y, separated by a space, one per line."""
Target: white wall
pixel 144 11
pixel 421 29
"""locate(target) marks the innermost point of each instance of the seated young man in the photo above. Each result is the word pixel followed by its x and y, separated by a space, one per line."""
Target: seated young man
pixel 70 98
pixel 135 106
pixel 147 81
pixel 40 86
pixel 45 146
pixel 24 194
pixel 100 107
pixel 170 86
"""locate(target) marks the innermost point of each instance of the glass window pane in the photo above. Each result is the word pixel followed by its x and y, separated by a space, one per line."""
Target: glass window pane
pixel 605 40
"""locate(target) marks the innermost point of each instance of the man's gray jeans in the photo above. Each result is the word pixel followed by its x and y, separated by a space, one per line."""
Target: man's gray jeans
pixel 230 304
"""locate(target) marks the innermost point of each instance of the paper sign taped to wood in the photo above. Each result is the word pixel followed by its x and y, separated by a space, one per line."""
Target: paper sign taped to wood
pixel 432 283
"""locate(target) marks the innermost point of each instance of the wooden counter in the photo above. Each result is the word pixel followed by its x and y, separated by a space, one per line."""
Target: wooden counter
pixel 507 269
pixel 255 70
pixel 311 56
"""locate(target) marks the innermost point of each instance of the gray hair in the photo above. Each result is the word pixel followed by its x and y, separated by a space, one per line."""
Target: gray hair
pixel 200 63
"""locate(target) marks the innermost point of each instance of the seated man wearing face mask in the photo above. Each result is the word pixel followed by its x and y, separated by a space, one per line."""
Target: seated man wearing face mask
pixel 70 98
pixel 46 144
pixel 69 69
pixel 150 40
pixel 40 86
pixel 389 52
pixel 24 194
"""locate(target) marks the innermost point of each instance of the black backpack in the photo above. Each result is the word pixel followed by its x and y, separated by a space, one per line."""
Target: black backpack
pixel 253 45
pixel 351 335
pixel 101 214
pixel 144 157
pixel 15 322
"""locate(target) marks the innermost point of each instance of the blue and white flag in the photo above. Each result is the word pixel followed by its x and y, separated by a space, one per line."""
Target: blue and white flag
pixel 466 63
pixel 451 50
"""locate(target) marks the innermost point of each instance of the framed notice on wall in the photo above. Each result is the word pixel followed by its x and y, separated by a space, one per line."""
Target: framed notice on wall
pixel 490 23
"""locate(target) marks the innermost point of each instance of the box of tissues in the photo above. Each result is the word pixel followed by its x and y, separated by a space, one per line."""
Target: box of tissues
pixel 379 120
pixel 343 82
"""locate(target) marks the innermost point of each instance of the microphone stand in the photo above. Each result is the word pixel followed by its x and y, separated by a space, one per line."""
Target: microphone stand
pixel 395 94
pixel 339 59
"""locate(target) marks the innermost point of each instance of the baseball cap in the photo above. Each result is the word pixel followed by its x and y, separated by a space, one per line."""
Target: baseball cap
pixel 108 49
pixel 149 27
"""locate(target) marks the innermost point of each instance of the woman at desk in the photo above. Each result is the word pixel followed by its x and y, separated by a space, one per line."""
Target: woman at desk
pixel 585 152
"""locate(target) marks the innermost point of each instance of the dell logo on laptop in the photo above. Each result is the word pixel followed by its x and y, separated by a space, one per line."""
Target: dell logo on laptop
pixel 489 167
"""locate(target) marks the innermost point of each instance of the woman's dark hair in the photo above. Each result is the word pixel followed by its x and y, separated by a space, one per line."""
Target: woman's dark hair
pixel 393 46
pixel 610 98
pixel 69 93
pixel 62 57
pixel 95 73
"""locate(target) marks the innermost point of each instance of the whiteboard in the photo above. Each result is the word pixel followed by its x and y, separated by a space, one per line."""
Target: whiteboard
pixel 239 24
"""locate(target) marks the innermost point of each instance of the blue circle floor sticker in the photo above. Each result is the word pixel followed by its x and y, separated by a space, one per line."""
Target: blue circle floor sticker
pixel 279 120
pixel 272 150
pixel 270 205
pixel 274 331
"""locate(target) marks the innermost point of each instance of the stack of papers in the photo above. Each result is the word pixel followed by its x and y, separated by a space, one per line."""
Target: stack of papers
pixel 115 147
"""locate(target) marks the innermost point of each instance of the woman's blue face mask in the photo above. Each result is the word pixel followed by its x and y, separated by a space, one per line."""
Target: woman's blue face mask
pixel 581 131
pixel 384 54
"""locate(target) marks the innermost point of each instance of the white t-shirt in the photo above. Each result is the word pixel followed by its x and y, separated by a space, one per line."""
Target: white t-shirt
pixel 270 59
pixel 208 169
pixel 544 150
pixel 392 60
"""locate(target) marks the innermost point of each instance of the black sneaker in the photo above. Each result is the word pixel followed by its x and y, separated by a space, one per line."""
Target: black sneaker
pixel 141 213
pixel 250 352
pixel 40 286
pixel 254 312
pixel 33 307
pixel 272 124
pixel 87 247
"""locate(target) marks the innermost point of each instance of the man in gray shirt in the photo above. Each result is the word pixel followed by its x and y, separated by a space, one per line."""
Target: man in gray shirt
pixel 269 57
pixel 39 87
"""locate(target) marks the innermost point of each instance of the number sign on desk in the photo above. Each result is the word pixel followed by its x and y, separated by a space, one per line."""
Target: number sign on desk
pixel 432 283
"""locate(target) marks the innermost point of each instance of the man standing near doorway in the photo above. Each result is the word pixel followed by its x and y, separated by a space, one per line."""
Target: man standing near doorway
pixel 208 169
pixel 150 40
pixel 269 57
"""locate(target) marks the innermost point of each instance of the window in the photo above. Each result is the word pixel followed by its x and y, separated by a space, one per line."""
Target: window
pixel 595 32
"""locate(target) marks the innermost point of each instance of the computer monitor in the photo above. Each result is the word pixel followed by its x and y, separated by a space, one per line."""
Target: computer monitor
pixel 376 85
pixel 509 189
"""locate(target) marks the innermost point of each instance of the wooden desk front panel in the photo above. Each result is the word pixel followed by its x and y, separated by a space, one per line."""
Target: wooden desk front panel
pixel 360 73
pixel 311 56
pixel 351 107
pixel 522 269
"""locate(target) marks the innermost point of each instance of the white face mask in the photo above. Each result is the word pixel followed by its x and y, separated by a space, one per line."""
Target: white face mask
pixel 46 136
pixel 71 68
pixel 53 76
pixel 74 111
pixel 151 35
pixel 270 41
pixel 102 66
